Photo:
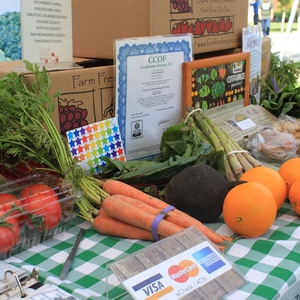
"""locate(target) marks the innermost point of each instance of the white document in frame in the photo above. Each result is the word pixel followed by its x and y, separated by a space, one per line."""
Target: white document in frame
pixel 149 90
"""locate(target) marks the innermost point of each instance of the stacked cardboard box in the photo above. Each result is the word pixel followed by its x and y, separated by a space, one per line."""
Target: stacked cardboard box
pixel 86 95
pixel 216 27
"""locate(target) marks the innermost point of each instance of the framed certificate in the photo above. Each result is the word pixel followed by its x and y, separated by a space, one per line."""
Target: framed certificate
pixel 215 81
pixel 149 90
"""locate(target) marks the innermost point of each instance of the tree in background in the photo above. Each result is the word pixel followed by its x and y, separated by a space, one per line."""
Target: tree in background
pixel 284 4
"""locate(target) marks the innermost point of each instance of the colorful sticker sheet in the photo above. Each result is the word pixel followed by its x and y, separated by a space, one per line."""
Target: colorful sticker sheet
pixel 91 142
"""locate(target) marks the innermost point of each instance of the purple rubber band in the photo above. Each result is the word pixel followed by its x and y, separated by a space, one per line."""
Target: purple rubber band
pixel 157 220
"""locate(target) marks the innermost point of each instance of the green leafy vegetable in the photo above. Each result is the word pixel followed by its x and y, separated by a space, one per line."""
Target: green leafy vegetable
pixel 213 74
pixel 204 91
pixel 204 105
pixel 286 101
pixel 218 89
pixel 279 92
pixel 180 147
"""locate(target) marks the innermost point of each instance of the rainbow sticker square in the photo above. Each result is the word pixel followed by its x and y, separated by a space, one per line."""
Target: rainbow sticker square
pixel 91 142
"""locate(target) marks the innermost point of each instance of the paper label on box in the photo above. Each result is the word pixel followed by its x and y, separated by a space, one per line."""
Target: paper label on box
pixel 46 31
pixel 246 124
pixel 91 142
pixel 243 123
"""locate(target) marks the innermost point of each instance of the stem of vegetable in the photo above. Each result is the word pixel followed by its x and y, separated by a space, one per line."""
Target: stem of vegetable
pixel 198 132
pixel 235 164
pixel 254 162
pixel 230 176
pixel 217 139
pixel 85 212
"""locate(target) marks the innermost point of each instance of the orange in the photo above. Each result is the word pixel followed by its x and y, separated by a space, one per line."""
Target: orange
pixel 269 178
pixel 289 171
pixel 295 196
pixel 249 209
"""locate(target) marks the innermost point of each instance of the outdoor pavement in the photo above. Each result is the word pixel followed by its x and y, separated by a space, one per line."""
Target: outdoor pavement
pixel 288 43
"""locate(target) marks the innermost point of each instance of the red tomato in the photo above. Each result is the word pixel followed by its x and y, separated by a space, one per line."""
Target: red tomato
pixel 9 233
pixel 40 200
pixel 7 201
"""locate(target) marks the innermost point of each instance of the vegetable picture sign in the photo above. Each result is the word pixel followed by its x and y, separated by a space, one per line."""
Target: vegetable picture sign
pixel 215 81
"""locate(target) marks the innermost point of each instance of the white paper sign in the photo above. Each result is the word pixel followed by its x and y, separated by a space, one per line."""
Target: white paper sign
pixel 46 30
pixel 246 124
pixel 252 42
pixel 149 90
pixel 178 276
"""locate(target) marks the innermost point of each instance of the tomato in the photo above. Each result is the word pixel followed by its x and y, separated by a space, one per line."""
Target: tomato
pixel 9 232
pixel 8 202
pixel 42 203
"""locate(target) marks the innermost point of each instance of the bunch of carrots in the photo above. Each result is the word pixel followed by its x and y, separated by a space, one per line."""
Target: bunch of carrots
pixel 129 213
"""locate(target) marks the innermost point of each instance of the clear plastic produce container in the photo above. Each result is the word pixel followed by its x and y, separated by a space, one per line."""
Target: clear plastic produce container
pixel 32 210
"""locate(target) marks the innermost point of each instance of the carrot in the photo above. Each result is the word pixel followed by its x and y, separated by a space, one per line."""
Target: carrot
pixel 142 205
pixel 107 225
pixel 101 212
pixel 114 187
pixel 182 220
pixel 222 72
pixel 126 212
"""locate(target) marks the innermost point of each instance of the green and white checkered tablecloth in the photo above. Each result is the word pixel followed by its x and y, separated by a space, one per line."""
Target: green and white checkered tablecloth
pixel 271 263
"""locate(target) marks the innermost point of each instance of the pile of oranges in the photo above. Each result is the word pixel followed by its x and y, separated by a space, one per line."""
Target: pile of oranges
pixel 251 207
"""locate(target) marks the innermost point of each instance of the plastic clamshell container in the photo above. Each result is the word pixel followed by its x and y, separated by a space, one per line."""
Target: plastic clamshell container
pixel 33 209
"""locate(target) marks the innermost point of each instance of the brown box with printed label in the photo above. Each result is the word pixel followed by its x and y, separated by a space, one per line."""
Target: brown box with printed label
pixel 215 25
pixel 86 95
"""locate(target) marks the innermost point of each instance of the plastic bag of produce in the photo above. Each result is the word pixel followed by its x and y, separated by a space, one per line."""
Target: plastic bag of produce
pixel 270 145
pixel 289 125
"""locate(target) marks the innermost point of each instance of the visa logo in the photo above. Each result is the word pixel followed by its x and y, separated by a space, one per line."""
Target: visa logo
pixel 153 287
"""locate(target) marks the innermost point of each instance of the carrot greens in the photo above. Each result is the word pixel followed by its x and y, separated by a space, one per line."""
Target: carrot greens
pixel 28 134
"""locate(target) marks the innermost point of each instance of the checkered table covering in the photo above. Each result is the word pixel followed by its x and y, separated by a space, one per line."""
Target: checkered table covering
pixel 271 263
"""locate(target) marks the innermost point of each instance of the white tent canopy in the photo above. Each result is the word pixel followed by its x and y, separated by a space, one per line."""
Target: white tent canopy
pixel 289 27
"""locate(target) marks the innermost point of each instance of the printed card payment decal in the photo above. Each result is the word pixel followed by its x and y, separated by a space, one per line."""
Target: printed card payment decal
pixel 179 275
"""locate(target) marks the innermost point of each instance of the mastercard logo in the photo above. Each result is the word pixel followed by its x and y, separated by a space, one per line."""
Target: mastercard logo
pixel 183 271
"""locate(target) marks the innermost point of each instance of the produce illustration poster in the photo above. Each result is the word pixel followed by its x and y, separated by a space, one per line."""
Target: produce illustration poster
pixel 218 85
pixel 91 142
pixel 212 82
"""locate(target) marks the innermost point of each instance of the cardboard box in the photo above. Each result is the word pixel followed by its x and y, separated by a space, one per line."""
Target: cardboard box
pixel 97 24
pixel 86 94
pixel 265 57
pixel 217 53
pixel 239 121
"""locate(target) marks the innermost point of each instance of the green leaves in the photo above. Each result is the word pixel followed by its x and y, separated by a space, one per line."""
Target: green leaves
pixel 286 101
pixel 180 147
pixel 204 91
pixel 280 91
pixel 218 89
pixel 25 111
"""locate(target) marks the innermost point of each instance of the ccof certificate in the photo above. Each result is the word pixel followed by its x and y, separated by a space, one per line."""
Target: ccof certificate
pixel 149 90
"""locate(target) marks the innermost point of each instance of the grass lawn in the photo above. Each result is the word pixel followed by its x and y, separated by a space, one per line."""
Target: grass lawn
pixel 276 26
